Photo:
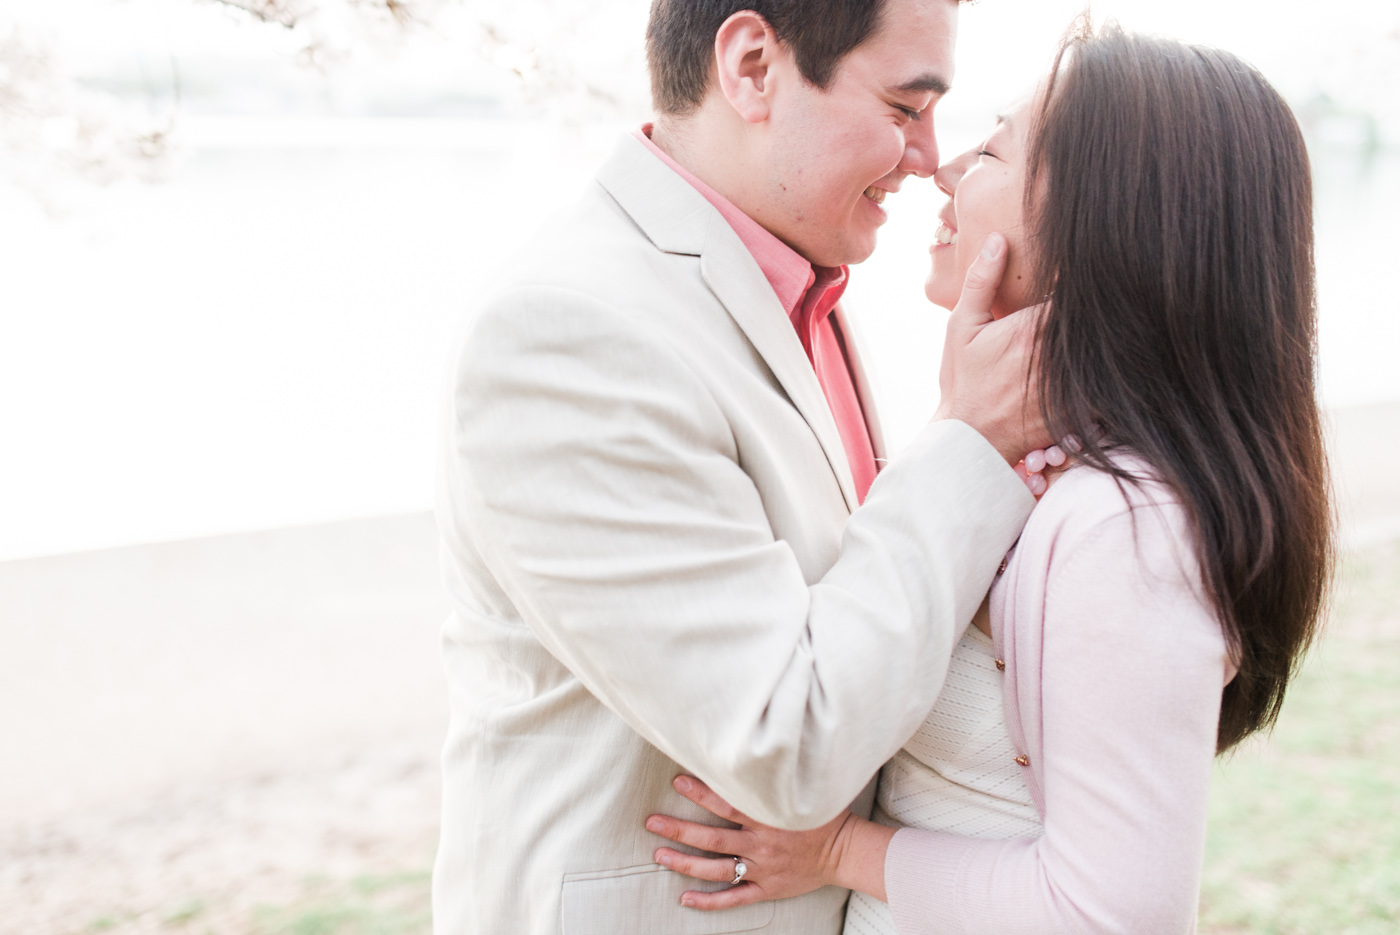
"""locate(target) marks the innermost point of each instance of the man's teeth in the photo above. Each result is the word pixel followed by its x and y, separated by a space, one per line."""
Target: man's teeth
pixel 876 195
pixel 945 235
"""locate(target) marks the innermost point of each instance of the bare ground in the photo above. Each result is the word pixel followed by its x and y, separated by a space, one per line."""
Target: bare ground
pixel 223 858
pixel 196 732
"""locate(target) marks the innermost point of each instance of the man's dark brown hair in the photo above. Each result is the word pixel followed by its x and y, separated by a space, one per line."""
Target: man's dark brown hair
pixel 681 40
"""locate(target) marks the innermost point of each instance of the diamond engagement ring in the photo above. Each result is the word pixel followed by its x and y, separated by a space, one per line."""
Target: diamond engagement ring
pixel 740 868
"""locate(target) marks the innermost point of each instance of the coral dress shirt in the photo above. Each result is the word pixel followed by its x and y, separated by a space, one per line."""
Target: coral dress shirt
pixel 809 296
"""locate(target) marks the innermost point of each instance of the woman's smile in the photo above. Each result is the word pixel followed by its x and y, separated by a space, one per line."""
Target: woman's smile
pixel 985 188
pixel 946 234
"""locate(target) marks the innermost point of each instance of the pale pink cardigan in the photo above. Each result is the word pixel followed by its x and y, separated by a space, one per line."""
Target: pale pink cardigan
pixel 1114 668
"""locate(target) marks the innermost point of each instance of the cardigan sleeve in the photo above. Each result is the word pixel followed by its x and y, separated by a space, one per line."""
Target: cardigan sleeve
pixel 1133 663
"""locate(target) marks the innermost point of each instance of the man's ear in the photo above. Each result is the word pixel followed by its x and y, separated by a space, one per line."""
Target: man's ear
pixel 746 49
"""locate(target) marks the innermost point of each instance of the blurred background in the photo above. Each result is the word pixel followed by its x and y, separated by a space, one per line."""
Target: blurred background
pixel 236 238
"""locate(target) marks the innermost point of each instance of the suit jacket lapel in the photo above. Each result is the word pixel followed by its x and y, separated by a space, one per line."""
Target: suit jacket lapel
pixel 734 277
pixel 865 387
pixel 678 219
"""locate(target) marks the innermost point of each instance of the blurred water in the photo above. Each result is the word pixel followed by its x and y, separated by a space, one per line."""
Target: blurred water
pixel 260 341
pixel 1357 204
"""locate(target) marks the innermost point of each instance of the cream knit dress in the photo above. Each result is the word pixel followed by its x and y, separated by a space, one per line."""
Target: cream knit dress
pixel 957 774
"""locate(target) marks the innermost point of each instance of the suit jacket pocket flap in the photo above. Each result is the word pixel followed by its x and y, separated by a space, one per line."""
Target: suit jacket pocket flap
pixel 646 900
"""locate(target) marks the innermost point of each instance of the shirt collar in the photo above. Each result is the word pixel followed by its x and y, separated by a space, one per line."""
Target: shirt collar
pixel 787 272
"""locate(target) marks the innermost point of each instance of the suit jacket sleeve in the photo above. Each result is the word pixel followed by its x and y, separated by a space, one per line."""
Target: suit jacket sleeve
pixel 605 484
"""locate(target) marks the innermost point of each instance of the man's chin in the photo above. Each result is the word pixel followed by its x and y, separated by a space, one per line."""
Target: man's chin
pixel 847 250
pixel 854 251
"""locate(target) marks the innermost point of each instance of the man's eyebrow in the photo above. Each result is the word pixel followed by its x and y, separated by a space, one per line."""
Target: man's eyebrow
pixel 924 83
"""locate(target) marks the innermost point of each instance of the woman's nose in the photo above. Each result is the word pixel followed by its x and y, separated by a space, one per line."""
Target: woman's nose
pixel 950 173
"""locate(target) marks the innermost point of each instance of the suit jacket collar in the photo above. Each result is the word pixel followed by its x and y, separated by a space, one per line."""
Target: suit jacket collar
pixel 678 219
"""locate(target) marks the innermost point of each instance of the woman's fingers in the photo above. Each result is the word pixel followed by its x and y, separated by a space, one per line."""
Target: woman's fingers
pixel 703 837
pixel 740 895
pixel 703 796
pixel 717 869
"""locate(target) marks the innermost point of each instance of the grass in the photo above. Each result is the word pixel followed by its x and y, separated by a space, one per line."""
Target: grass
pixel 1305 828
pixel 394 904
pixel 186 913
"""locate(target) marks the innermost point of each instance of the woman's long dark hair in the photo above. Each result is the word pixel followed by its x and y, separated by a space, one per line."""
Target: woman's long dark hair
pixel 1171 208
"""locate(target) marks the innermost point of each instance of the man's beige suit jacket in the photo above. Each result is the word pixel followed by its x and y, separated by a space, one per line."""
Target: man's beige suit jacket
pixel 657 566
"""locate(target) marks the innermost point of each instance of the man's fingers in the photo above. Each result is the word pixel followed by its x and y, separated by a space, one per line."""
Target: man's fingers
pixel 705 797
pixel 985 271
pixel 718 869
pixel 740 895
pixel 980 286
pixel 1031 314
pixel 1015 332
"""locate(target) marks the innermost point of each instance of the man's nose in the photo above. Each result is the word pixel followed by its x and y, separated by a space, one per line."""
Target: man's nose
pixel 920 147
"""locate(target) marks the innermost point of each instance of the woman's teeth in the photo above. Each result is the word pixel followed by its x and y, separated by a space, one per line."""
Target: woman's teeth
pixel 876 195
pixel 945 235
